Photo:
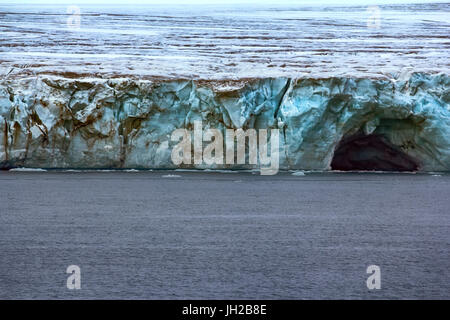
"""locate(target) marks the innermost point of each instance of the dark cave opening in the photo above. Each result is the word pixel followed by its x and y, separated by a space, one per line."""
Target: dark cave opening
pixel 372 152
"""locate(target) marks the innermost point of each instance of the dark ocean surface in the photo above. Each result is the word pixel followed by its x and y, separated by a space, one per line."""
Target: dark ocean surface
pixel 193 235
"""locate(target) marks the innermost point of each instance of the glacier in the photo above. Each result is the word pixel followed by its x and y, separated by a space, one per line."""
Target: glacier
pixel 54 122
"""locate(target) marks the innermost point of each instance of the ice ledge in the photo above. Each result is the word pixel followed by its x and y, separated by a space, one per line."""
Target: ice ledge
pixel 50 122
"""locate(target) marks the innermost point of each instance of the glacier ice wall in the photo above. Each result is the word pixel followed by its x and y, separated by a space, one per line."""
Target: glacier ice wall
pixel 122 123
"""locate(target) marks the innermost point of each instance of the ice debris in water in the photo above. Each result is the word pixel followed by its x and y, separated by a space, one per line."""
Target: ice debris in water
pixel 27 170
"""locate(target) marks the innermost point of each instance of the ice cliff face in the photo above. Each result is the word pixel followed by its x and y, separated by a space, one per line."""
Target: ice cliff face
pixel 62 123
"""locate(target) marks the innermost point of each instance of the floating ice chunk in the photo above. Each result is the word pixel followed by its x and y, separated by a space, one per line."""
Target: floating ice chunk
pixel 171 176
pixel 298 173
pixel 220 171
pixel 27 170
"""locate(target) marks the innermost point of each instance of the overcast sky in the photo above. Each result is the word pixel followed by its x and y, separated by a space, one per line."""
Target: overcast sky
pixel 272 2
